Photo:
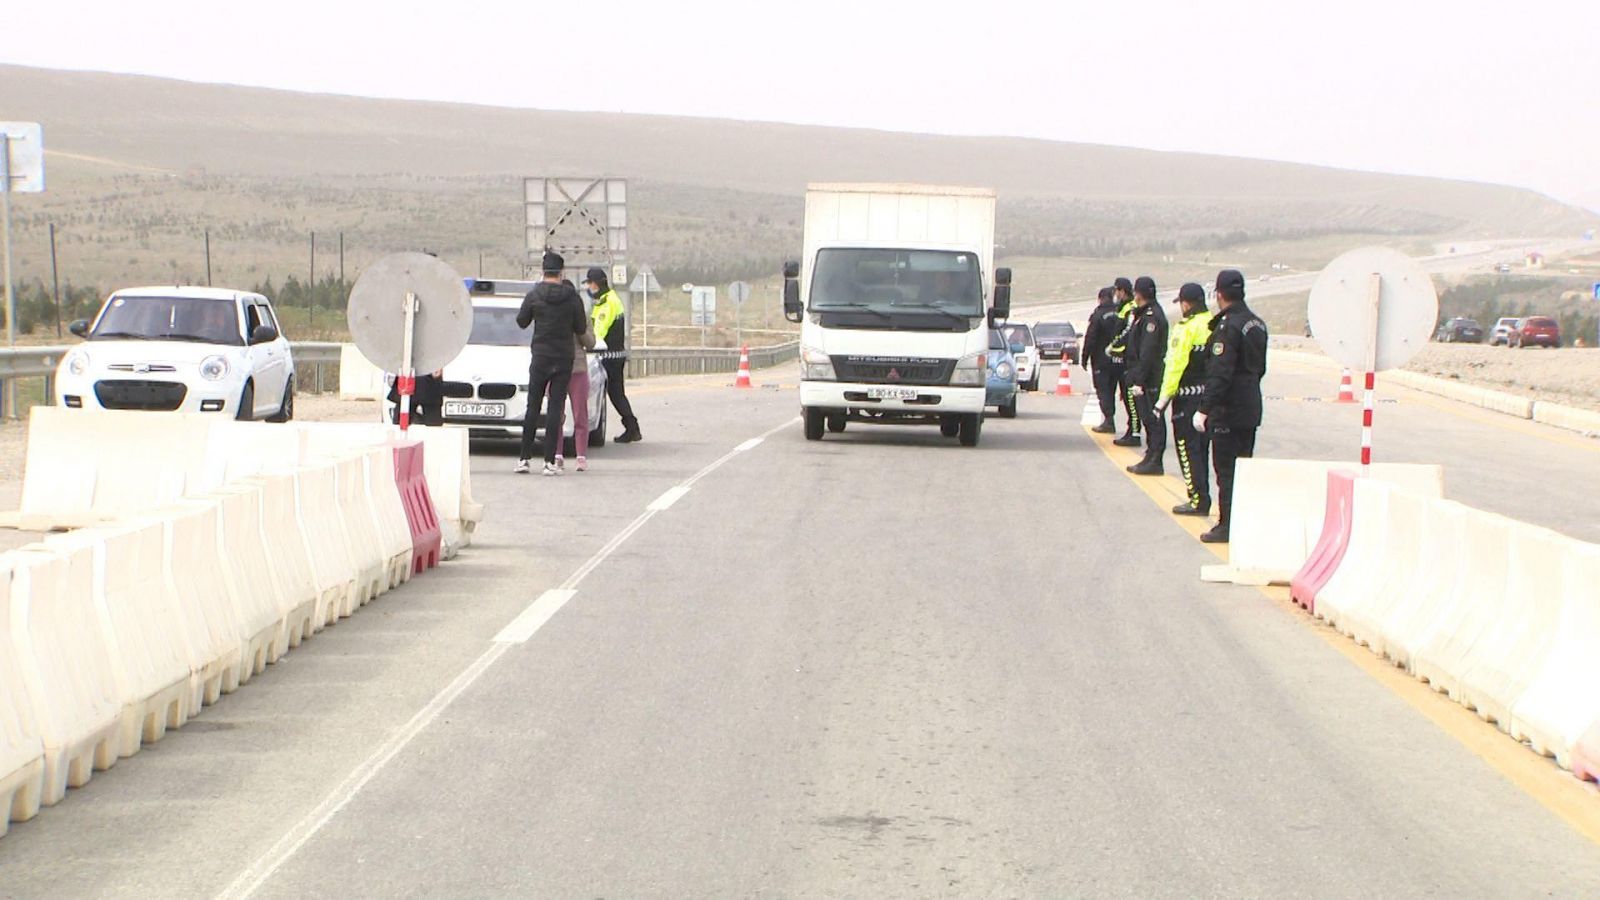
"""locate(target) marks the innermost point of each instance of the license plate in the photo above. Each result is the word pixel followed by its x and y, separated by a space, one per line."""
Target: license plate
pixel 470 410
pixel 892 393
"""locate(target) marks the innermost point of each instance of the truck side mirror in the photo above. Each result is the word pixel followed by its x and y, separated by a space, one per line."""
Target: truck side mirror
pixel 792 310
pixel 1002 296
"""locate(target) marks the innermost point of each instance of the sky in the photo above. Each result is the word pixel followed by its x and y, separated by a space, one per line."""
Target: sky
pixel 1484 91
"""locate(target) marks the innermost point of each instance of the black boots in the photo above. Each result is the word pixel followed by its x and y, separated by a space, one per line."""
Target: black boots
pixel 1148 467
pixel 630 430
pixel 1104 428
pixel 1217 535
pixel 1189 509
pixel 1129 440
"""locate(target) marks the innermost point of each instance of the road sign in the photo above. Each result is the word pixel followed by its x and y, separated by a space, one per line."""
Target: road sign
pixel 703 306
pixel 644 281
pixel 22 158
pixel 739 292
pixel 619 274
pixel 1373 309
pixel 377 314
pixel 583 219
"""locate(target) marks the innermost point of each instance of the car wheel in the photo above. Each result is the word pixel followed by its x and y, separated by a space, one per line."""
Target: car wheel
pixel 816 422
pixel 836 422
pixel 1009 410
pixel 597 435
pixel 247 403
pixel 950 426
pixel 286 408
pixel 971 428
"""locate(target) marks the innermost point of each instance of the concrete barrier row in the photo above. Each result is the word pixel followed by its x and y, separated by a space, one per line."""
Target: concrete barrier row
pixel 1500 615
pixel 112 634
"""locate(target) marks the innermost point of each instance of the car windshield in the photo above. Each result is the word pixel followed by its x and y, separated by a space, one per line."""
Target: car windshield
pixel 1466 323
pixel 1054 330
pixel 496 326
pixel 997 341
pixel 1018 334
pixel 899 282
pixel 203 320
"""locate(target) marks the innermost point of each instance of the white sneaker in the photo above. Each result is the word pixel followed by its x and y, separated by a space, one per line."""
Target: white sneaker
pixel 561 464
pixel 583 464
pixel 550 470
pixel 522 467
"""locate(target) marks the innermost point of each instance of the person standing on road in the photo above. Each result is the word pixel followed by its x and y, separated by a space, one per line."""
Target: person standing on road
pixel 556 313
pixel 1117 356
pixel 1147 356
pixel 610 328
pixel 1181 387
pixel 1230 408
pixel 1103 326
pixel 578 394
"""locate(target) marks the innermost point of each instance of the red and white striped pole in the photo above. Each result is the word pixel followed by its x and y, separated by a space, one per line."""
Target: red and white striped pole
pixel 1368 402
pixel 406 379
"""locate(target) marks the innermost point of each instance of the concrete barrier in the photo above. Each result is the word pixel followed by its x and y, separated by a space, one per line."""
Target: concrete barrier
pixel 422 517
pixel 1586 754
pixel 333 564
pixel 1484 398
pixel 1482 588
pixel 1560 703
pixel 138 616
pixel 1427 592
pixel 1506 658
pixel 358 378
pixel 359 522
pixel 448 463
pixel 1365 613
pixel 240 450
pixel 1332 543
pixel 21 748
pixel 1569 417
pixel 248 574
pixel 65 665
pixel 206 615
pixel 1356 578
pixel 1278 513
pixel 289 554
pixel 388 511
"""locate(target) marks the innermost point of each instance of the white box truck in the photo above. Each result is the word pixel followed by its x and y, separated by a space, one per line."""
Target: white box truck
pixel 892 294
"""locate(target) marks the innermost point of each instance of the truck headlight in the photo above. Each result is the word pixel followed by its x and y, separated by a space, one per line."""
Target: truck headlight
pixel 970 370
pixel 816 365
pixel 214 368
pixel 78 362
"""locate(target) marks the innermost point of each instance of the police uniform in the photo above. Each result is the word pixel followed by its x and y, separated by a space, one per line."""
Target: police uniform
pixel 1236 363
pixel 610 327
pixel 1181 388
pixel 1147 351
pixel 1117 357
pixel 1104 324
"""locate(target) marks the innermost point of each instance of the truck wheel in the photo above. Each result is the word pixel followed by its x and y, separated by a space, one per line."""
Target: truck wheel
pixel 971 427
pixel 1009 410
pixel 950 426
pixel 815 420
pixel 836 422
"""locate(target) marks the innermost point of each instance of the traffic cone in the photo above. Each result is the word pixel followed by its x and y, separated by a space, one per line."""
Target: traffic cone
pixel 1064 383
pixel 743 381
pixel 1347 393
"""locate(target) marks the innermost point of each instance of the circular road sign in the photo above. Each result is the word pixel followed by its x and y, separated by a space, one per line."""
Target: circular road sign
pixel 377 312
pixel 739 291
pixel 1341 311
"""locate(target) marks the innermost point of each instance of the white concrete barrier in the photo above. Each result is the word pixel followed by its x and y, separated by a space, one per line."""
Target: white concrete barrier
pixel 1569 417
pixel 333 564
pixel 251 582
pixel 64 665
pixel 21 748
pixel 389 512
pixel 360 525
pixel 447 461
pixel 138 616
pixel 1365 613
pixel 1485 398
pixel 290 555
pixel 1278 507
pixel 212 630
pixel 358 378
pixel 239 450
pixel 1427 592
pixel 1560 702
pixel 1357 577
pixel 1482 587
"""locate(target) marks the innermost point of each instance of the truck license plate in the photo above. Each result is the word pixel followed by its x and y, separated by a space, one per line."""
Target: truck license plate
pixel 892 393
pixel 469 410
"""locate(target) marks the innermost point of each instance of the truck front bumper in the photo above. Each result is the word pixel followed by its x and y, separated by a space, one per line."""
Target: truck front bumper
pixel 927 400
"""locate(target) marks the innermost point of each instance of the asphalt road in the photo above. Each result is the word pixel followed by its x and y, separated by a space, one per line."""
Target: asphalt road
pixel 879 665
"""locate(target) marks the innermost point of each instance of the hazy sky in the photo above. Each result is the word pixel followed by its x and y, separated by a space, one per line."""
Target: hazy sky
pixel 1491 91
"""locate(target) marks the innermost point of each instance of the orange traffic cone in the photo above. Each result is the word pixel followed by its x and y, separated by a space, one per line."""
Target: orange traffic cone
pixel 1347 393
pixel 1064 383
pixel 743 381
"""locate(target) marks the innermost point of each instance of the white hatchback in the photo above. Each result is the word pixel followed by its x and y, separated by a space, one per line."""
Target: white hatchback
pixel 183 349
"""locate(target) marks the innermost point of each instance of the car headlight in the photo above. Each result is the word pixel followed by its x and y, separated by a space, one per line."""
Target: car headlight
pixel 78 362
pixel 1003 370
pixel 970 370
pixel 214 368
pixel 816 365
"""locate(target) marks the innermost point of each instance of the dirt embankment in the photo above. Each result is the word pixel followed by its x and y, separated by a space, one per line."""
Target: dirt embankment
pixel 1568 376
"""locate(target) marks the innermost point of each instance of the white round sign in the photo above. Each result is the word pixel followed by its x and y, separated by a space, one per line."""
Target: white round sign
pixel 442 324
pixel 1342 315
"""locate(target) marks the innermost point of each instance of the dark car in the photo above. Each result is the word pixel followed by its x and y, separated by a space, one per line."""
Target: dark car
pixel 1056 340
pixel 1536 331
pixel 1460 331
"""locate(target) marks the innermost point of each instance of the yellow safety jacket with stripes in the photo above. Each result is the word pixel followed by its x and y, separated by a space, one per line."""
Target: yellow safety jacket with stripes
pixel 1119 344
pixel 1186 356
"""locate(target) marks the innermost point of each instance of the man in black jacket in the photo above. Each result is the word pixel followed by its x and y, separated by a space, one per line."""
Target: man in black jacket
pixel 1147 357
pixel 556 313
pixel 1104 323
pixel 1230 409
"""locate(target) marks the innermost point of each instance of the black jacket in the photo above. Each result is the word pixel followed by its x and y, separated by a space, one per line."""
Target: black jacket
pixel 1147 347
pixel 1235 365
pixel 1104 324
pixel 557 315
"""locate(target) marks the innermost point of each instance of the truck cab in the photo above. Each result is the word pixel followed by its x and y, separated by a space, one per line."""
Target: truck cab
pixel 895 294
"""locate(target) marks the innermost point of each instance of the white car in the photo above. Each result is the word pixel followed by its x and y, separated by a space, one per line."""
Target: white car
pixel 486 386
pixel 1019 335
pixel 185 349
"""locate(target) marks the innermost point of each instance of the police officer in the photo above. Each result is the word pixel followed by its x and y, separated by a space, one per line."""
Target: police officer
pixel 1117 356
pixel 1147 356
pixel 1181 388
pixel 1104 324
pixel 1230 408
pixel 610 327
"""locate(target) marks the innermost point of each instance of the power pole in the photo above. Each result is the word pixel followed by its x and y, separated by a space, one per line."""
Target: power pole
pixel 208 257
pixel 55 278
pixel 311 285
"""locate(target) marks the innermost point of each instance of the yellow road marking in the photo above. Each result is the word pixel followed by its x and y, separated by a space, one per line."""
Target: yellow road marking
pixel 1575 801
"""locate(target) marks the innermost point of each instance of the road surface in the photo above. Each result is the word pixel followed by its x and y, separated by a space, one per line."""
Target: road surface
pixel 881 666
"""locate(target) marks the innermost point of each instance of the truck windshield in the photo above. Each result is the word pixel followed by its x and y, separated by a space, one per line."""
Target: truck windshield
pixel 203 320
pixel 898 282
pixel 495 326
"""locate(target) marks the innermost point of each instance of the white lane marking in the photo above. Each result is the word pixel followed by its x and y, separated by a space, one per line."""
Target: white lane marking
pixel 749 445
pixel 533 618
pixel 251 879
pixel 665 501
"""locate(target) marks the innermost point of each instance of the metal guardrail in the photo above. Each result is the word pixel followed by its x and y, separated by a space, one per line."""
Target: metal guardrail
pixel 701 361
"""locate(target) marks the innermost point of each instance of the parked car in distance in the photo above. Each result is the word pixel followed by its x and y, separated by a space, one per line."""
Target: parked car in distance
pixel 1001 383
pixel 1537 331
pixel 1056 340
pixel 1503 268
pixel 1500 335
pixel 1021 345
pixel 1460 330
pixel 181 349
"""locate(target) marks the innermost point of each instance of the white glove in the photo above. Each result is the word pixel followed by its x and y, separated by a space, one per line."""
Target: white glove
pixel 1137 390
pixel 1160 408
pixel 1199 421
pixel 599 346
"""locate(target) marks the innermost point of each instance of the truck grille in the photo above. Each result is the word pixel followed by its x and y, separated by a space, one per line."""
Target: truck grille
pixel 893 370
pixel 163 396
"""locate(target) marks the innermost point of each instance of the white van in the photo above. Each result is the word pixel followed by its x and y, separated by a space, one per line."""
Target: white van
pixel 892 295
